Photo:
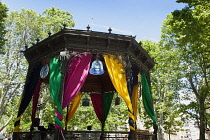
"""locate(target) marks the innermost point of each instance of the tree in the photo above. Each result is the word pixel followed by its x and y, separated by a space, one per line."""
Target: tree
pixel 54 19
pixel 165 84
pixel 3 15
pixel 23 28
pixel 189 30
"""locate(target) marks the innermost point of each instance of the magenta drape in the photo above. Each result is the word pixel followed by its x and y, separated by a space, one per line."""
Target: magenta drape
pixel 97 104
pixel 76 76
pixel 35 100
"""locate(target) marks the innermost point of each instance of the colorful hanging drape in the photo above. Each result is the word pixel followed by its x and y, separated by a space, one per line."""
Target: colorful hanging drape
pixel 133 91
pixel 106 104
pixel 55 86
pixel 135 102
pixel 147 98
pixel 29 88
pixel 73 108
pixel 76 76
pixel 77 71
pixel 35 101
pixel 97 105
pixel 102 103
pixel 118 78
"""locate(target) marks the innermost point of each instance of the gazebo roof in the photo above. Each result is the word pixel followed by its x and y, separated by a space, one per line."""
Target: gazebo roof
pixel 87 40
pixel 96 43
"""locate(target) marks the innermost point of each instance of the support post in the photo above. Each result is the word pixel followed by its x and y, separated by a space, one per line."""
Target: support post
pixel 131 135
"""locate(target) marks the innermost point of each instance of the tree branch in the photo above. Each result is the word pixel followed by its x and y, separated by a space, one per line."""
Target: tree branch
pixel 207 107
pixel 8 121
pixel 193 87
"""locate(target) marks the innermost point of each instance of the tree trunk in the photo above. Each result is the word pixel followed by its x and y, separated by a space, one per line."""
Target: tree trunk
pixel 201 98
pixel 161 127
pixel 202 119
pixel 169 134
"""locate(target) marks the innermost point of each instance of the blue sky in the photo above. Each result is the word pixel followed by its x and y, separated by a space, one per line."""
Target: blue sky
pixel 131 17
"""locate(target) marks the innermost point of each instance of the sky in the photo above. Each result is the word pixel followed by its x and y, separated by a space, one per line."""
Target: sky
pixel 140 18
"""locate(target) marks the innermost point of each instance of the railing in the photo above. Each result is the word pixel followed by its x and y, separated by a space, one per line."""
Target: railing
pixel 80 135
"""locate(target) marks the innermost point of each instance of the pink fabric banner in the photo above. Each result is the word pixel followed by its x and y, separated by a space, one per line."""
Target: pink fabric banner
pixel 78 70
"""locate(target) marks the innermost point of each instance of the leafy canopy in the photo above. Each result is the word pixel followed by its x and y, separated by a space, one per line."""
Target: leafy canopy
pixel 3 15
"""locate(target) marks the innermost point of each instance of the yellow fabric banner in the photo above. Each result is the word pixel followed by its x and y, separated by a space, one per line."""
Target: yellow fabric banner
pixel 135 101
pixel 118 78
pixel 17 127
pixel 73 107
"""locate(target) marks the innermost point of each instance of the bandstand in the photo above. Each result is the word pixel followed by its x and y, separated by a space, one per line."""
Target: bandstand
pixel 84 61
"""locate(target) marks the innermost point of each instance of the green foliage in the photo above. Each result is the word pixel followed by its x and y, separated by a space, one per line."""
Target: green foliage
pixel 191 111
pixel 192 3
pixel 165 83
pixel 182 68
pixel 3 15
pixel 118 117
pixel 54 19
pixel 189 30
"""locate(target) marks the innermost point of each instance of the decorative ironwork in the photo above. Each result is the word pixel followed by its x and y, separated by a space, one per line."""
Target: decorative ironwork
pixel 83 135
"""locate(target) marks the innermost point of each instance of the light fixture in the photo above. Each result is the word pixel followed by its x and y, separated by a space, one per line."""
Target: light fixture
pixel 89 127
pixel 64 55
pixel 85 102
pixel 96 67
pixel 117 100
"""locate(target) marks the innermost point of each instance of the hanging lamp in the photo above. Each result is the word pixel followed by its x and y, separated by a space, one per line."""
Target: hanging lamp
pixel 117 100
pixel 97 67
pixel 85 102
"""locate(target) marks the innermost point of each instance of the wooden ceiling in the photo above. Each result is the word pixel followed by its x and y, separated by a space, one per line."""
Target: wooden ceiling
pixel 98 83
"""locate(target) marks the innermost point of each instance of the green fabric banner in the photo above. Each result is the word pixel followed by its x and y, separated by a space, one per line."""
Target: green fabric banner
pixel 106 104
pixel 147 98
pixel 55 86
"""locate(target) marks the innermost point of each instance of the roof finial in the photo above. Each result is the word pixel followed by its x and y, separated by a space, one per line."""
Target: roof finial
pixel 110 30
pixel 49 33
pixel 88 27
pixel 64 26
